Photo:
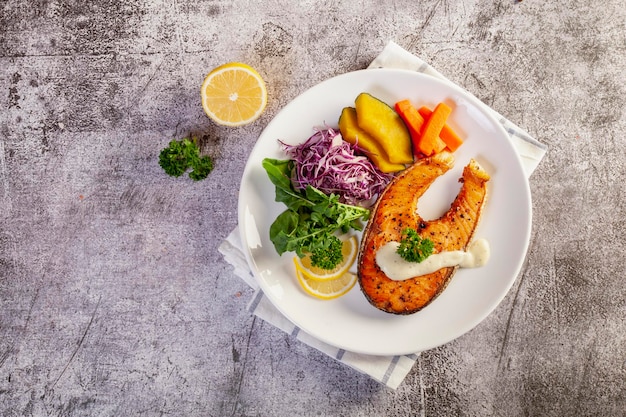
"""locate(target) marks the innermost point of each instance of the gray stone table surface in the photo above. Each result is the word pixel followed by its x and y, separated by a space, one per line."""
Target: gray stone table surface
pixel 114 299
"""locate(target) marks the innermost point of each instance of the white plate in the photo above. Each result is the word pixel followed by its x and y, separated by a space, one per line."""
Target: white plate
pixel 350 322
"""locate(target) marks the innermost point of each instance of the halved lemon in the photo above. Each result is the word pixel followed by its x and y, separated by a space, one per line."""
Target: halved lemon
pixel 349 249
pixel 328 289
pixel 233 94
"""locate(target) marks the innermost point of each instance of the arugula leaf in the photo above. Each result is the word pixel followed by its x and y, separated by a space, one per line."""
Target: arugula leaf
pixel 279 172
pixel 311 219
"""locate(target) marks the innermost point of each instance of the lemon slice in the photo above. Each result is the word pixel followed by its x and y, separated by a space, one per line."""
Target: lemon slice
pixel 328 289
pixel 349 251
pixel 233 94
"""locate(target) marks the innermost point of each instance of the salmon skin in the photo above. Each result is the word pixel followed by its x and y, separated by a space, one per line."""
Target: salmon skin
pixel 396 209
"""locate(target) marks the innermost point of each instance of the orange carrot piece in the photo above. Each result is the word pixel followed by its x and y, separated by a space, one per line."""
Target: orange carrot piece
pixel 430 141
pixel 447 134
pixel 413 121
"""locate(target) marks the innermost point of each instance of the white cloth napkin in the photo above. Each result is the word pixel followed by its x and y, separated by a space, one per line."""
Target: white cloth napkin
pixel 388 370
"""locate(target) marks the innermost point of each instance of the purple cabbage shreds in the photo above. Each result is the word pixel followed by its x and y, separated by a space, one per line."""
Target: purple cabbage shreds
pixel 332 165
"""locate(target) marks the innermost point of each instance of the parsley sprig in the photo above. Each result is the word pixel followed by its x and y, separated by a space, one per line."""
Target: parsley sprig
pixel 180 155
pixel 328 254
pixel 414 248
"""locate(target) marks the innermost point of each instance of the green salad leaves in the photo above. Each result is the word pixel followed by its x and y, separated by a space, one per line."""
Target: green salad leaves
pixel 309 223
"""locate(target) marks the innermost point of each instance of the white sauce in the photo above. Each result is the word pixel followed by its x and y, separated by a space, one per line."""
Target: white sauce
pixel 398 269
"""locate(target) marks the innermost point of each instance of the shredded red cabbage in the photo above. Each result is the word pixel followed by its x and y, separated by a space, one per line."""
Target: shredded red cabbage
pixel 332 165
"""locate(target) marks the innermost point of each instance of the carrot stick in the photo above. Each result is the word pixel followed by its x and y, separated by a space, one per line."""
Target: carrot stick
pixel 447 134
pixel 413 121
pixel 430 140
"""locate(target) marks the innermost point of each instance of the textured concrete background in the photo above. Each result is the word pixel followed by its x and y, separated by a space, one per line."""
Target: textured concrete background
pixel 113 297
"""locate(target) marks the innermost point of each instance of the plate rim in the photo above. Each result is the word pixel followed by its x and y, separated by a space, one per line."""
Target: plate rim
pixel 487 112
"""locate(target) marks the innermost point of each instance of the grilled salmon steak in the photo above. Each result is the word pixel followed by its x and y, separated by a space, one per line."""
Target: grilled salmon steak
pixel 396 209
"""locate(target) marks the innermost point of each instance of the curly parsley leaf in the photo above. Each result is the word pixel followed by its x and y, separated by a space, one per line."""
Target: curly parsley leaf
pixel 181 155
pixel 414 248
pixel 329 254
